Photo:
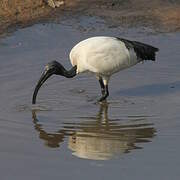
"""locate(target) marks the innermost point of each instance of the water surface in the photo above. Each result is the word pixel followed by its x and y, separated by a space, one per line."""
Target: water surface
pixel 67 134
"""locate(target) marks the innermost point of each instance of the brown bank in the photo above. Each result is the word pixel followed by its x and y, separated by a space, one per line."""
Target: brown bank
pixel 160 15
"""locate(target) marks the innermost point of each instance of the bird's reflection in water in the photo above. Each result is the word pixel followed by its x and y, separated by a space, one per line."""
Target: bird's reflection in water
pixel 99 137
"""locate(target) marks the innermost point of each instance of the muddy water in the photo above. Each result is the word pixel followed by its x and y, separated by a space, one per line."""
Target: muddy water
pixel 67 134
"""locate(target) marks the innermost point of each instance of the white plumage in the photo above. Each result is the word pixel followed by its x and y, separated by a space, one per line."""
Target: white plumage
pixel 102 56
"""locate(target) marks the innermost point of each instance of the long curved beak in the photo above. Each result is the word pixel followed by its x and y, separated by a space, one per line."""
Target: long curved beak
pixel 46 74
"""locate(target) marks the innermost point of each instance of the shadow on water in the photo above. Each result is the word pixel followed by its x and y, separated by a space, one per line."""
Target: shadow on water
pixel 152 89
pixel 99 137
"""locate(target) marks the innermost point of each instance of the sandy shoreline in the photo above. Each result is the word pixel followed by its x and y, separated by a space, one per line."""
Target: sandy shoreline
pixel 163 16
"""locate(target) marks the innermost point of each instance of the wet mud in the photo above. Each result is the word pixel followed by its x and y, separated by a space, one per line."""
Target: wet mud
pixel 163 16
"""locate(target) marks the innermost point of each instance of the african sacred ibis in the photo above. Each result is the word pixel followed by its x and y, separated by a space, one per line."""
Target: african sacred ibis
pixel 102 56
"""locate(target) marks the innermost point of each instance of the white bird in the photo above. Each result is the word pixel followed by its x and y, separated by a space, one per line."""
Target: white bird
pixel 102 56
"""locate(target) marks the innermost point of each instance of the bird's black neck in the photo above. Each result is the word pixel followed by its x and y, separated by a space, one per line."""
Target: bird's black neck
pixel 69 73
pixel 57 68
pixel 51 68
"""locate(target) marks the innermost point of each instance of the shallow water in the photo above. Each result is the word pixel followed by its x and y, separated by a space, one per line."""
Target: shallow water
pixel 67 134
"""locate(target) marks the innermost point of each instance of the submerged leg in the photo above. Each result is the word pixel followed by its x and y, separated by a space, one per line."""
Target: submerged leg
pixel 105 95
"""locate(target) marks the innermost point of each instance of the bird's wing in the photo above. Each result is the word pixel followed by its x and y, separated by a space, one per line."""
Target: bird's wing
pixel 143 51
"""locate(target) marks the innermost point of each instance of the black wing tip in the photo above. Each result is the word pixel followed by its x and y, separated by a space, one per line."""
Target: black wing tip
pixel 154 49
pixel 143 51
pixel 153 53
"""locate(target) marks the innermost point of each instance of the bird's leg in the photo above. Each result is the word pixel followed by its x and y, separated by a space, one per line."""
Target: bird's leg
pixel 105 95
pixel 102 86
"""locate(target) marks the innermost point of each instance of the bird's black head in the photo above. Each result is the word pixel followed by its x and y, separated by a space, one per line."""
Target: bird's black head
pixel 54 67
pixel 51 68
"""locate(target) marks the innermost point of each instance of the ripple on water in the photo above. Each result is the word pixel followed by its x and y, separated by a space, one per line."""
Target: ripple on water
pixel 37 107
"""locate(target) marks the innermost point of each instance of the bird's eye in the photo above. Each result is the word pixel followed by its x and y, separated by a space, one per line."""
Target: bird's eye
pixel 47 67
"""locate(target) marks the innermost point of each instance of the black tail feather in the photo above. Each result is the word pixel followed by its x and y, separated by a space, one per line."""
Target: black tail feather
pixel 143 51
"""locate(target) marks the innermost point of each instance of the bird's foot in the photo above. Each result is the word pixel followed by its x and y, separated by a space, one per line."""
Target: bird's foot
pixel 103 98
pixel 103 92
